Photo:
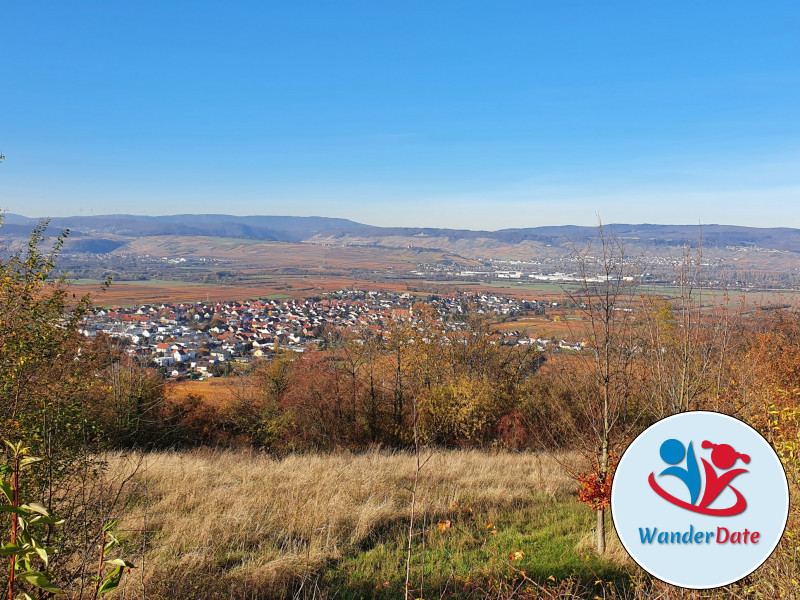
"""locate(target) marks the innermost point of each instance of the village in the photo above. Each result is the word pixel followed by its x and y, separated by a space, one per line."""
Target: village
pixel 204 339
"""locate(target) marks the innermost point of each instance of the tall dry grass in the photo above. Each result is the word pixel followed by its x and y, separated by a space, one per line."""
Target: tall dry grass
pixel 262 525
pixel 220 524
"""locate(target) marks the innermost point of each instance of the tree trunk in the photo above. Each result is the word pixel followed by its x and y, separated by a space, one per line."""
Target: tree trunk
pixel 601 531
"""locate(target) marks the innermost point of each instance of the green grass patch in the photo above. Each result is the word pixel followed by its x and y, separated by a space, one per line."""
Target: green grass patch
pixel 473 554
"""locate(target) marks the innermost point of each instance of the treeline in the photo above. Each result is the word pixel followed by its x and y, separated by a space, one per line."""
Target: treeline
pixel 456 387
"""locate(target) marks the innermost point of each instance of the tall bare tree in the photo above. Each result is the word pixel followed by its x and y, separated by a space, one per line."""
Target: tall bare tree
pixel 601 379
pixel 689 339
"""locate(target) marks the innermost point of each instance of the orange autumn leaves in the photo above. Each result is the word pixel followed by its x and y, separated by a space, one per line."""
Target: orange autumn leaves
pixel 594 490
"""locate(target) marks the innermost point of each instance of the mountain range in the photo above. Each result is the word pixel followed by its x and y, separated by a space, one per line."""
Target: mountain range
pixel 106 233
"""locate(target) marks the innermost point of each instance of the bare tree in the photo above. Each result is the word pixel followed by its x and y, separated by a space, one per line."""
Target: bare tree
pixel 688 339
pixel 600 380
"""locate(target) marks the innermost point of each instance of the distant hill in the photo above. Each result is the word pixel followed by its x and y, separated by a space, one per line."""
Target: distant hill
pixel 278 228
pixel 778 238
pixel 105 233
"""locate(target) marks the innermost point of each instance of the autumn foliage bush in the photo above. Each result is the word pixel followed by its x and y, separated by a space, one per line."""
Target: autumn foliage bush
pixel 355 394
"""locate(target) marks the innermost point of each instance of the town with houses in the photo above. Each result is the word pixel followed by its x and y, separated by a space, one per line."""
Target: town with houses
pixel 202 339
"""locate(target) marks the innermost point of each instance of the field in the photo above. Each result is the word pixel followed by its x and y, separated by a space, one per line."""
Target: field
pixel 217 391
pixel 338 524
pixel 555 325
pixel 259 284
pixel 129 293
pixel 272 255
pixel 281 287
pixel 222 524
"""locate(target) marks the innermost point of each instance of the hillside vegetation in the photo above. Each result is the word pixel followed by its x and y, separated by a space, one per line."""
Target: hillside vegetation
pixel 336 525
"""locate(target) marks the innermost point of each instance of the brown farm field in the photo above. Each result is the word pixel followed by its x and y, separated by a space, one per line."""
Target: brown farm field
pixel 216 392
pixel 278 286
pixel 126 293
pixel 546 327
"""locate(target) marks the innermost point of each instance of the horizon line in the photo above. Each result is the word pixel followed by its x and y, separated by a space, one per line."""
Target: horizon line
pixel 367 225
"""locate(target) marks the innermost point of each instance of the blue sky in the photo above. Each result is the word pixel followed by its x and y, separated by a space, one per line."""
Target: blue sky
pixel 450 114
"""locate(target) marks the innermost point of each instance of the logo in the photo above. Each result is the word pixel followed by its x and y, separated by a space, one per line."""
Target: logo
pixel 723 457
pixel 699 500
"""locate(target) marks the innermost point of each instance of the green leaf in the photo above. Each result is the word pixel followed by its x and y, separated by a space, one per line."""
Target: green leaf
pixel 40 580
pixel 121 562
pixel 47 520
pixel 29 460
pixel 109 525
pixel 43 555
pixel 37 508
pixel 13 509
pixel 9 549
pixel 24 537
pixel 109 546
pixel 7 490
pixel 15 448
pixel 111 581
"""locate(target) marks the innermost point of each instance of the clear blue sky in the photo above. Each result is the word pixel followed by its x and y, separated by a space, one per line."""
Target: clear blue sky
pixel 461 114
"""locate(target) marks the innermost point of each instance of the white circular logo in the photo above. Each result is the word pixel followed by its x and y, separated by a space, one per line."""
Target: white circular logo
pixel 700 500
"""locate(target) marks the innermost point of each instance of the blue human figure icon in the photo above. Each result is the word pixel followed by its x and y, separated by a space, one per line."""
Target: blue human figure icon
pixel 672 452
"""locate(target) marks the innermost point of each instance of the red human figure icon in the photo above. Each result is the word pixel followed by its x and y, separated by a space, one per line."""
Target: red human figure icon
pixel 724 457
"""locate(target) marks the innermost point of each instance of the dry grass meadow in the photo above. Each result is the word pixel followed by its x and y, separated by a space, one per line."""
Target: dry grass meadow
pixel 226 524
pixel 238 524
